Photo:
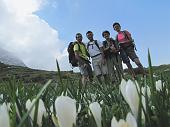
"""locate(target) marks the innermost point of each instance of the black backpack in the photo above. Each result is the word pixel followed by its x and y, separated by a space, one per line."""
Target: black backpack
pixel 71 55
pixel 72 59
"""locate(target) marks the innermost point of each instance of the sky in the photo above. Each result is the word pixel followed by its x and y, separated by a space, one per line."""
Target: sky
pixel 38 31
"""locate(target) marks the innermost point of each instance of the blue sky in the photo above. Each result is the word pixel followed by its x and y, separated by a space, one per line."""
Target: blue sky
pixel 42 29
pixel 147 20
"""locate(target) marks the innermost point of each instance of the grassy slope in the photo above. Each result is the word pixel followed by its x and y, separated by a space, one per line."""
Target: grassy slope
pixel 40 76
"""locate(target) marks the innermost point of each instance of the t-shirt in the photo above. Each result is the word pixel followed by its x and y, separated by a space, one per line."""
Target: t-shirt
pixel 93 49
pixel 122 38
pixel 82 50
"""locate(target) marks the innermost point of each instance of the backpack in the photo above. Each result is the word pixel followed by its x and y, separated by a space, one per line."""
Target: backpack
pixel 71 55
pixel 127 37
pixel 95 41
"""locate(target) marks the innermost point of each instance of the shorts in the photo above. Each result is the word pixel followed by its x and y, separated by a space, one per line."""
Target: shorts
pixel 86 70
pixel 127 53
pixel 99 68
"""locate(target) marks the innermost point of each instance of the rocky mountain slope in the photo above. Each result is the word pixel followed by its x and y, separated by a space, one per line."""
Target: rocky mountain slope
pixel 8 58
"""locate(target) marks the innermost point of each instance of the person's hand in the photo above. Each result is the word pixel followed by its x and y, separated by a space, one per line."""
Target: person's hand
pixel 113 49
pixel 85 65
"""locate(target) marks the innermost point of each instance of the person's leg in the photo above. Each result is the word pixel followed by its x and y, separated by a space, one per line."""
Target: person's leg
pixel 106 78
pixel 126 60
pixel 84 74
pixel 133 56
pixel 119 67
pixel 83 80
pixel 104 69
pixel 99 78
pixel 140 66
pixel 111 70
pixel 130 69
pixel 97 68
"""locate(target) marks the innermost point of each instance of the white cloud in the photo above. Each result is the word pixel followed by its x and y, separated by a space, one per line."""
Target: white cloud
pixel 30 37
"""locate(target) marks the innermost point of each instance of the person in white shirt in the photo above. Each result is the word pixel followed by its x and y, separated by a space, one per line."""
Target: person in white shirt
pixel 95 49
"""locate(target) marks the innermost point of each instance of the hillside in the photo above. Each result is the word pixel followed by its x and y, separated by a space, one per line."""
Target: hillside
pixel 29 75
pixel 10 59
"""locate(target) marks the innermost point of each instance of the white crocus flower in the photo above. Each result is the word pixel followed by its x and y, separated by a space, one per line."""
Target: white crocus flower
pixel 159 85
pixel 41 110
pixel 96 111
pixel 114 122
pixel 51 108
pixel 16 92
pixel 79 108
pixel 144 89
pixel 101 102
pixel 93 97
pixel 130 94
pixel 130 121
pixel 4 116
pixel 66 111
pixel 1 96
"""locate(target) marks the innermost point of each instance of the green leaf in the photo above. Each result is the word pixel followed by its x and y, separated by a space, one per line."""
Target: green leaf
pixel 36 99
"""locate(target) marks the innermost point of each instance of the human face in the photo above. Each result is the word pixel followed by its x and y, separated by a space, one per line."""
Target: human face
pixel 117 27
pixel 79 38
pixel 106 36
pixel 90 36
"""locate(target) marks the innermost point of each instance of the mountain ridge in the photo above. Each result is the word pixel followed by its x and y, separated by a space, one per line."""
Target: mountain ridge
pixel 7 57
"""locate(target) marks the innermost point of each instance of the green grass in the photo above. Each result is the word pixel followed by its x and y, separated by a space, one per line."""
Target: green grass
pixel 67 83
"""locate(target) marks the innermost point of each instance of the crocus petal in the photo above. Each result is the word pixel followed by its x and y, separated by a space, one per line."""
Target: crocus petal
pixel 148 91
pixel 16 92
pixel 28 106
pixel 41 110
pixel 158 85
pixel 132 97
pixel 96 111
pixel 123 89
pixel 65 111
pixel 114 122
pixel 122 123
pixel 1 96
pixel 51 108
pixel 4 116
pixel 131 121
pixel 79 108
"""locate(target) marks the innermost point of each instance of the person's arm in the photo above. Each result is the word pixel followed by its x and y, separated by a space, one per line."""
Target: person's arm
pixel 77 56
pixel 105 48
pixel 113 48
pixel 76 52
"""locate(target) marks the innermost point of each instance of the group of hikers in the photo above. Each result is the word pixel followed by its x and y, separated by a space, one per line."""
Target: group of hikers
pixel 106 57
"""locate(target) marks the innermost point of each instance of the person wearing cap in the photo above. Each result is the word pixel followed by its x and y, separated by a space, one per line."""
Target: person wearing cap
pixel 127 48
